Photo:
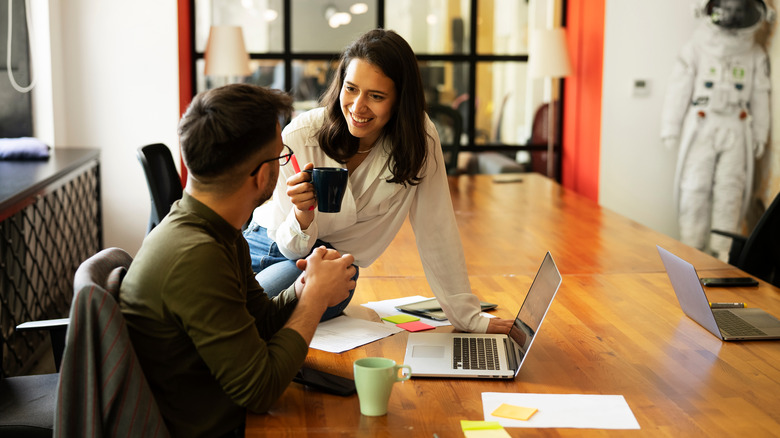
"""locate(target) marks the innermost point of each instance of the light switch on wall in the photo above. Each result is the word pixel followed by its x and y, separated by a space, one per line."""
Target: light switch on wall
pixel 641 87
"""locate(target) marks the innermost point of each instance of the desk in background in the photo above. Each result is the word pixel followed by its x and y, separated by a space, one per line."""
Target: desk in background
pixel 50 221
pixel 614 328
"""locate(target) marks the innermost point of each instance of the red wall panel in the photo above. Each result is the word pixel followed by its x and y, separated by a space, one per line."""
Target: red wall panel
pixel 582 97
pixel 185 65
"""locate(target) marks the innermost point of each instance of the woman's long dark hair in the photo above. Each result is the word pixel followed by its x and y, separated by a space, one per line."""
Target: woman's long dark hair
pixel 389 52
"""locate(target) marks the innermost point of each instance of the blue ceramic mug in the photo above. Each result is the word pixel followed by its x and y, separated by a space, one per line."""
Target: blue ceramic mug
pixel 330 184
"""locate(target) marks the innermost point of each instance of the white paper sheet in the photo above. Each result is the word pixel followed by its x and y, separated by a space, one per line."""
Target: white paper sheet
pixel 387 308
pixel 564 410
pixel 344 333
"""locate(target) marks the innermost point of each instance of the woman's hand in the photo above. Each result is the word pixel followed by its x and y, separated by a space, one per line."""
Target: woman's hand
pixel 499 325
pixel 301 193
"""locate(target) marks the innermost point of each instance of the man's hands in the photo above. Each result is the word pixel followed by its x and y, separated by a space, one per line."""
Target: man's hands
pixel 301 194
pixel 327 276
pixel 326 281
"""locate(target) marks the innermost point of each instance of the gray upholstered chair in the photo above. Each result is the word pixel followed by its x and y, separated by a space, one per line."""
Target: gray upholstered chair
pixel 102 390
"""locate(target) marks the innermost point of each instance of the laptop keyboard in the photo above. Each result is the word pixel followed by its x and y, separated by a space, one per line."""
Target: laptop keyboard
pixel 734 325
pixel 474 354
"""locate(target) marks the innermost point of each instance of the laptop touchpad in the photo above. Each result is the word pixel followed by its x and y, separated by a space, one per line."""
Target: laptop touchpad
pixel 429 351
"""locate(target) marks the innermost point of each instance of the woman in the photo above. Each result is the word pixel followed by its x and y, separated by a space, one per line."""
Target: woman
pixel 372 123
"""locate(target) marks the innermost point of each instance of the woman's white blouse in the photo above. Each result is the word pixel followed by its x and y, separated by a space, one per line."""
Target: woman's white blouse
pixel 373 211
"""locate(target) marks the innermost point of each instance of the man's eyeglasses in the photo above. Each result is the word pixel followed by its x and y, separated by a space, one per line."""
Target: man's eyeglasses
pixel 283 159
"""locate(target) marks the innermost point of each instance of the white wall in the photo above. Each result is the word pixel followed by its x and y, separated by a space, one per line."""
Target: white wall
pixel 114 80
pixel 642 40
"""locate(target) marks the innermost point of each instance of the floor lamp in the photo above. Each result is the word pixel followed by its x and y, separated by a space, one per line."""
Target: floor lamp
pixel 226 53
pixel 549 59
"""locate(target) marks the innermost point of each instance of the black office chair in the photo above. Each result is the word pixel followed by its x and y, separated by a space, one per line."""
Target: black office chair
pixel 27 404
pixel 162 178
pixel 449 124
pixel 759 253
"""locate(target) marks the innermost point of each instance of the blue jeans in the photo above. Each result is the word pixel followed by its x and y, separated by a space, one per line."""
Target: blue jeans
pixel 276 273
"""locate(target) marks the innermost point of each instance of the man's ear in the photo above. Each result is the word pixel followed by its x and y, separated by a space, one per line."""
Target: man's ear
pixel 261 177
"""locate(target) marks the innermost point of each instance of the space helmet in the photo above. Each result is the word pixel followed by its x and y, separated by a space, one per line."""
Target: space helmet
pixel 735 14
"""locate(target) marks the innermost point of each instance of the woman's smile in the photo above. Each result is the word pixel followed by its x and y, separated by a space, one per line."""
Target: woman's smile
pixel 367 101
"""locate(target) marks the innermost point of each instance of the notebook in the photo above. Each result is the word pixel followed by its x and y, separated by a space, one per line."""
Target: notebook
pixel 479 355
pixel 431 308
pixel 726 324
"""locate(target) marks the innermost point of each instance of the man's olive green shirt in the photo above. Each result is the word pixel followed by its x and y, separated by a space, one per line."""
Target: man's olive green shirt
pixel 209 340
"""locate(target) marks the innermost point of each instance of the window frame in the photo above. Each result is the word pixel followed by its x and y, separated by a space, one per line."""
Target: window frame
pixel 472 59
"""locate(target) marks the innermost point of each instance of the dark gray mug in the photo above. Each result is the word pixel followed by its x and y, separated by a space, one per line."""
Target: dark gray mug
pixel 330 184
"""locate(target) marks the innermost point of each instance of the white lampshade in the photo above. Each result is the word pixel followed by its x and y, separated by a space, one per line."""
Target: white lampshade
pixel 548 54
pixel 226 54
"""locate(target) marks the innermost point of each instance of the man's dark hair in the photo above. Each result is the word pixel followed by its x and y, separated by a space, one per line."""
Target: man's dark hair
pixel 225 127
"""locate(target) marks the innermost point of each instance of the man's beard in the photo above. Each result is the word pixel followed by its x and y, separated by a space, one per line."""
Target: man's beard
pixel 268 192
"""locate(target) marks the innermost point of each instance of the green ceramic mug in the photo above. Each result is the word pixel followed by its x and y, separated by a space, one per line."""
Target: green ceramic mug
pixel 374 379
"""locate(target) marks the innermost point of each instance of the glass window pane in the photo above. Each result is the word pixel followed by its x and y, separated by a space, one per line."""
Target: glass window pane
pixel 446 84
pixel 500 116
pixel 310 80
pixel 265 72
pixel 327 26
pixel 260 20
pixel 431 26
pixel 502 27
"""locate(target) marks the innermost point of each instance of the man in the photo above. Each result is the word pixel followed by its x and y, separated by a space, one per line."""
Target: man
pixel 210 342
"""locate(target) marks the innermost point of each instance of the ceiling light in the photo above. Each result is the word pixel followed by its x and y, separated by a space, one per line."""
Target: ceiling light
pixel 358 8
pixel 335 18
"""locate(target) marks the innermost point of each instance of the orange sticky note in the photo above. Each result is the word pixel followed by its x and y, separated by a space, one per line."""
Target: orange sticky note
pixel 514 412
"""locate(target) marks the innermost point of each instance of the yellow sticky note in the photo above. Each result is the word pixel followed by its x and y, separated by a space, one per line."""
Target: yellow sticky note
pixel 487 433
pixel 399 319
pixel 514 412
pixel 479 425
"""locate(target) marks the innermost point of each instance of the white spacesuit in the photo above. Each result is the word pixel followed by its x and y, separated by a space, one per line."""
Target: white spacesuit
pixel 717 109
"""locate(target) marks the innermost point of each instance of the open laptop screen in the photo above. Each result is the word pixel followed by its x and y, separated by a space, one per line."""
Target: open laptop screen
pixel 535 306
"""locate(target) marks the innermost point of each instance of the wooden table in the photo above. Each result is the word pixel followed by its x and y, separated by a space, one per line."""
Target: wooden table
pixel 615 328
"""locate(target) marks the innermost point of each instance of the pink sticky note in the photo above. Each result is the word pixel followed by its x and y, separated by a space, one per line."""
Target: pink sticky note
pixel 415 326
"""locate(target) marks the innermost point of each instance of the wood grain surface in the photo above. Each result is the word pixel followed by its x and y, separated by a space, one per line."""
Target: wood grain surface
pixel 615 327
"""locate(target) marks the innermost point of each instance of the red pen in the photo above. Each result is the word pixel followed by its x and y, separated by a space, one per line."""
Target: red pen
pixel 296 167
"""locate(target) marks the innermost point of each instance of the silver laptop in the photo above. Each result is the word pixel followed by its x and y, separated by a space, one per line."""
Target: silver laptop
pixel 486 355
pixel 727 324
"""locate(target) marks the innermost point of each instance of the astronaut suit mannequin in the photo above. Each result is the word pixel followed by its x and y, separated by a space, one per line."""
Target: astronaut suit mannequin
pixel 717 110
